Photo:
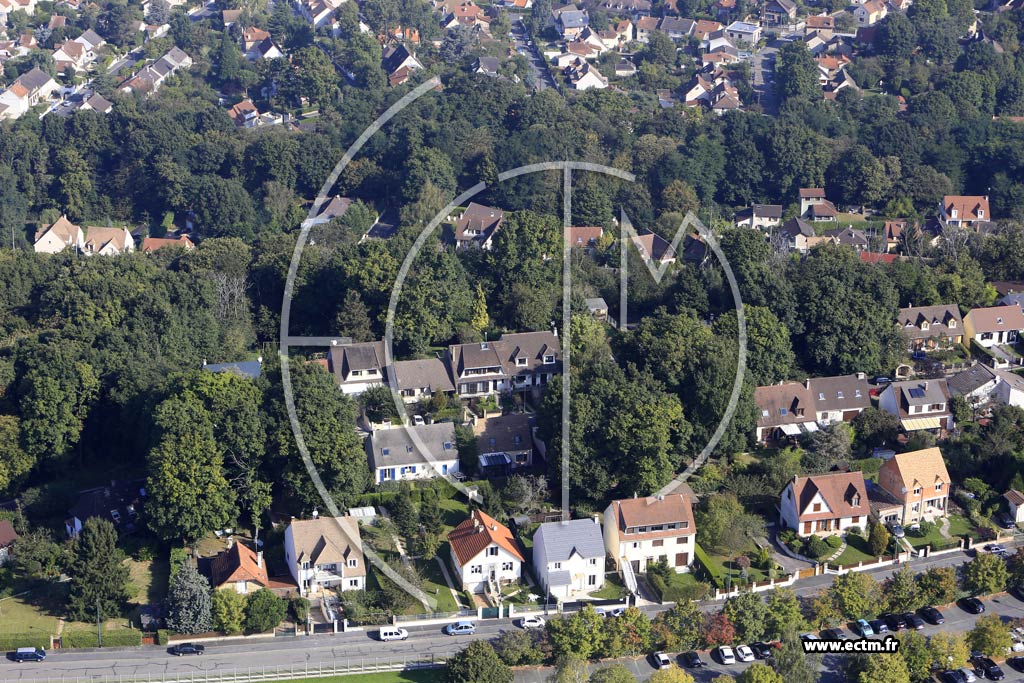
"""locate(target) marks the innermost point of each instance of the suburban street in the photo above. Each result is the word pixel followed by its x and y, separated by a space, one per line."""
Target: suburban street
pixel 541 76
pixel 424 643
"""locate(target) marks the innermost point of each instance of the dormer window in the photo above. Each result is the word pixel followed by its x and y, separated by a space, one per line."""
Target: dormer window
pixel 981 213
pixel 517 439
pixel 917 491
pixel 408 449
pixel 855 500
pixel 385 451
pixel 783 412
pixel 764 413
pixel 521 362
pixel 925 325
pixel 952 214
pixel 999 321
pixel 353 563
pixel 840 395
pixel 951 324
pixel 549 359
pixel 447 445
pixel 484 346
pixel 938 486
pixel 821 395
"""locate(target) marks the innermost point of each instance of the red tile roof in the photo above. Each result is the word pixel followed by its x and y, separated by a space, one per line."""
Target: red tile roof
pixel 238 563
pixel 470 537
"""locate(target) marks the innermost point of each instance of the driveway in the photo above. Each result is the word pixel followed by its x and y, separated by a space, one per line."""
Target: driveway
pixel 790 565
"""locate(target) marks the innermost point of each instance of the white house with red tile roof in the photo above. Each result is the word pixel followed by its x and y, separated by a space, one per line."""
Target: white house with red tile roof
pixel 964 210
pixel 484 552
pixel 825 504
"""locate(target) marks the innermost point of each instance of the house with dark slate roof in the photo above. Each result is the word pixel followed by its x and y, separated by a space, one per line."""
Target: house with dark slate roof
pixel 568 557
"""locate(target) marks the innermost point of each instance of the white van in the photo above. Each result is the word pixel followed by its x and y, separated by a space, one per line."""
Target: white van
pixel 388 633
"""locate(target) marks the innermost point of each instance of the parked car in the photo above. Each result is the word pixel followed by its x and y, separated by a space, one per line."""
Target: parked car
pixel 968 675
pixel 833 634
pixel 863 628
pixel 763 650
pixel 28 654
pixel 389 633
pixel 661 660
pixel 460 628
pixel 601 612
pixel 953 676
pixel 1007 522
pixel 187 649
pixel 692 660
pixel 878 626
pixel 972 605
pixel 726 655
pixel 995 549
pixel 932 615
pixel 1016 663
pixel 809 636
pixel 417 421
pixel 618 611
pixel 897 531
pixel 531 622
pixel 913 621
pixel 745 654
pixel 882 380
pixel 985 667
pixel 895 621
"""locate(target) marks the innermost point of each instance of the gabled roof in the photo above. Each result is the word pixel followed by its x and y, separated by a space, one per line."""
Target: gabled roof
pixel 797 226
pixel 34 79
pixel 1014 497
pixel 395 447
pixel 781 404
pixel 845 392
pixel 561 540
pixel 7 533
pixel 431 373
pixel 238 563
pixel 913 469
pixel 150 244
pixel 63 229
pixel 812 193
pixel 329 540
pixel 838 490
pixel 476 533
pixel 996 318
pixel 654 511
pixel 505 434
pixel 96 238
pixel 970 380
pixel 653 246
pixel 480 220
pixel 585 236
pixel 911 319
pixel 967 207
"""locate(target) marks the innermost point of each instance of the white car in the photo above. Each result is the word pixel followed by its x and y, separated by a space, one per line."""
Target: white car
pixel 662 660
pixel 968 675
pixel 531 622
pixel 618 611
pixel 601 612
pixel 417 421
pixel 726 655
pixel 744 654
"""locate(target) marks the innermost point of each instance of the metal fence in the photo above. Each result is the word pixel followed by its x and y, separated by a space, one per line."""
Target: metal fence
pixel 282 673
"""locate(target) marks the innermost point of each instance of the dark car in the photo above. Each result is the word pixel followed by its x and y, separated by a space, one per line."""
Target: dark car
pixel 187 649
pixel 692 660
pixel 762 650
pixel 894 621
pixel 983 666
pixel 833 634
pixel 913 621
pixel 972 605
pixel 1016 663
pixel 932 615
pixel 953 676
pixel 28 654
pixel 878 626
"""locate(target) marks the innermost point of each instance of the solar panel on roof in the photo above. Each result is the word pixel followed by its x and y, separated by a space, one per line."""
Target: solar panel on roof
pixel 916 393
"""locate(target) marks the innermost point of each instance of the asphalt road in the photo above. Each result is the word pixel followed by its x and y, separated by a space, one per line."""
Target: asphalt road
pixel 541 76
pixel 424 642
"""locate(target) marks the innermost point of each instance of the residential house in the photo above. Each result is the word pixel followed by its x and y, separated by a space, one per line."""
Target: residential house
pixel 704 28
pixel 653 247
pixel 638 531
pixel 1010 390
pixel 825 504
pixel 839 399
pixel 891 231
pixel 504 443
pixel 626 7
pixel 568 557
pixel 58 236
pixel 994 325
pixel 644 27
pixel 814 206
pixel 585 237
pixel 105 241
pixel 404 453
pixel 724 10
pixel 357 367
pixel 477 225
pixel 964 211
pixel 778 12
pixel 120 503
pixel 919 481
pixel 570 23
pixel 8 536
pixel 575 53
pixel 25 92
pixel 151 244
pixel 930 327
pixel 325 552
pixel 677 28
pixel 477 369
pixel 484 553
pixel 743 32
pixel 625 68
pixel 399 64
pixel 240 569
pixel 421 379
pixel 96 102
pixel 585 76
pixel 698 92
pixel 919 404
pixel 72 56
pixel 467 14
pixel 151 78
pixel 1015 501
pixel 598 308
pixel 759 216
pixel 850 237
pixel 487 66
pixel 335 208
pixel 257 44
pixel 976 384
pixel 822 25
pixel 245 114
pixel 530 359
pixel 784 410
pixel 870 12
pixel 795 235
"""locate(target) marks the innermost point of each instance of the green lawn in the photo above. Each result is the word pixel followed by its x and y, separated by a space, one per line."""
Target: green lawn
pixel 961 526
pixel 857 550
pixel 932 537
pixel 612 588
pixel 727 567
pixel 454 511
pixel 20 614
pixel 435 586
pixel 413 676
pixel 148 581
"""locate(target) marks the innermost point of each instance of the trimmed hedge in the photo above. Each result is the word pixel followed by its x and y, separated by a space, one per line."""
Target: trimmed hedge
pixel 118 638
pixel 12 641
pixel 710 567
pixel 163 636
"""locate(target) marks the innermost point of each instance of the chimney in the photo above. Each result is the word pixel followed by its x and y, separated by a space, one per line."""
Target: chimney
pixel 494 527
pixel 204 362
pixel 231 542
pixel 597 519
pixel 925 384
pixel 316 513
pixel 259 559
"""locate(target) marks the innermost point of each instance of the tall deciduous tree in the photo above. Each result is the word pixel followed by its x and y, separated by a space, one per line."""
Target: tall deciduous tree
pixel 477 662
pixel 228 611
